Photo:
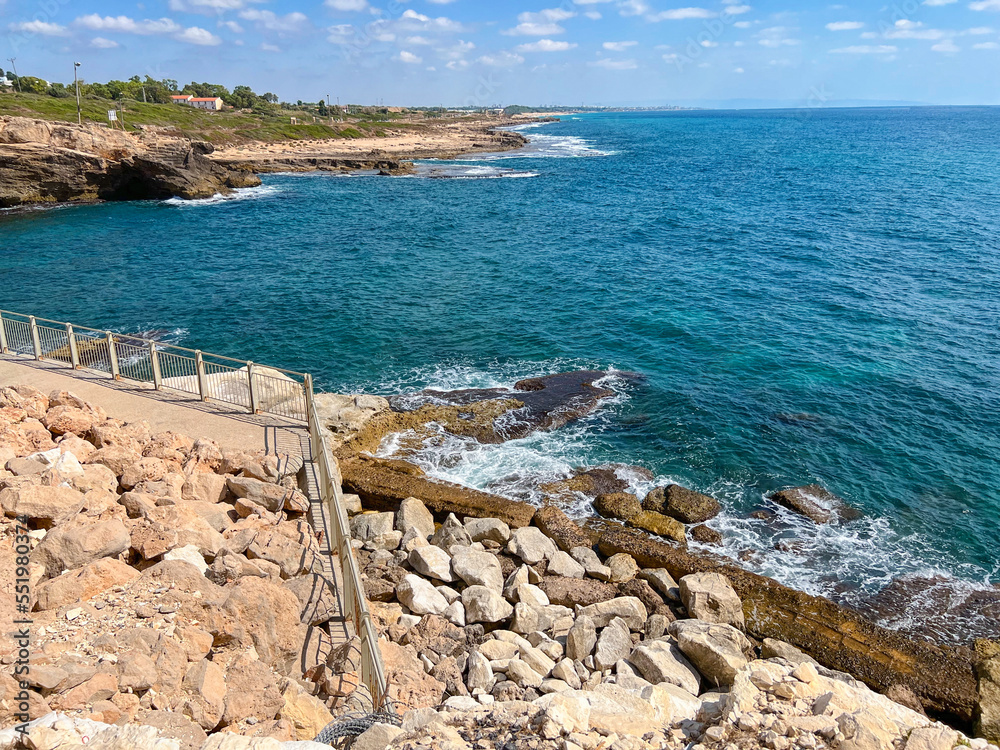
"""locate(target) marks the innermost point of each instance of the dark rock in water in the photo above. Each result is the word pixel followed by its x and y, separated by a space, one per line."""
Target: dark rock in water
pixel 561 529
pixel 706 535
pixel 816 503
pixel 568 592
pixel 762 515
pixel 835 636
pixel 621 505
pixel 687 506
pixel 546 403
pixel 383 484
pixel 602 480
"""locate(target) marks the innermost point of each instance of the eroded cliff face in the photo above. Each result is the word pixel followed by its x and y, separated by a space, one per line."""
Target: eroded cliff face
pixel 51 162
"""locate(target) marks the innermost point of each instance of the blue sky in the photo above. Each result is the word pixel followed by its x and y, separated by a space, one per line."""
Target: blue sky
pixel 469 52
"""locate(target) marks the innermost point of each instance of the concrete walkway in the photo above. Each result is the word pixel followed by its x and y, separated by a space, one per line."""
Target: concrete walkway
pixel 164 410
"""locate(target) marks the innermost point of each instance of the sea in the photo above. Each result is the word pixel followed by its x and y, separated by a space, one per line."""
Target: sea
pixel 779 297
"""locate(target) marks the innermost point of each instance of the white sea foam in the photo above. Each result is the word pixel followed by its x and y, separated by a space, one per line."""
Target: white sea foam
pixel 240 194
pixel 461 171
pixel 849 562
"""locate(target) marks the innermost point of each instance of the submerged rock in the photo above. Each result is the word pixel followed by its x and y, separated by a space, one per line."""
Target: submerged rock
pixel 814 502
pixel 687 506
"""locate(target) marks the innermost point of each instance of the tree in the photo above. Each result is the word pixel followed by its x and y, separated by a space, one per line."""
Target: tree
pixel 323 111
pixel 269 97
pixel 32 85
pixel 59 91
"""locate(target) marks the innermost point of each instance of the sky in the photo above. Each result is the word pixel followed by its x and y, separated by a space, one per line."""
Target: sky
pixel 476 53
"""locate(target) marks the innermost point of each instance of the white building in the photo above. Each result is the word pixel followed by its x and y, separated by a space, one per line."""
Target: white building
pixel 6 83
pixel 201 102
pixel 206 102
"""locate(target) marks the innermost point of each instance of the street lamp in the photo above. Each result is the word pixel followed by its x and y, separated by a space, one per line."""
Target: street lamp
pixel 76 83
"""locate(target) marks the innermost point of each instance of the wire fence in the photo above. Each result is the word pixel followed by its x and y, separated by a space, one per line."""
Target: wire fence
pixel 213 377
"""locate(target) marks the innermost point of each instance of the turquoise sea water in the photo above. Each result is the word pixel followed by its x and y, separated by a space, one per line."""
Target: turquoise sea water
pixel 810 296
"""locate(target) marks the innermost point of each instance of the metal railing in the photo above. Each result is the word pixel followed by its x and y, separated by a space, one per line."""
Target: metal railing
pixel 210 377
pixel 213 377
pixel 372 671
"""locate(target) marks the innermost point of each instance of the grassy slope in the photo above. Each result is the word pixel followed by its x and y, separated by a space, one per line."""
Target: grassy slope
pixel 221 128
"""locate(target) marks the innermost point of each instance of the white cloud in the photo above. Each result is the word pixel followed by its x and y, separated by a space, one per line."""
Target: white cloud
pixel 545 45
pixel 128 25
pixel 535 29
pixel 777 36
pixel 457 64
pixel 502 59
pixel 946 46
pixel 269 21
pixel 593 15
pixel 101 43
pixel 986 45
pixel 418 40
pixel 208 7
pixel 618 46
pixel 409 57
pixel 342 33
pixel 347 5
pixel 411 21
pixel 633 7
pixel 608 64
pixel 738 70
pixel 980 31
pixel 232 26
pixel 201 37
pixel 681 14
pixel 439 2
pixel 939 2
pixel 844 25
pixel 269 47
pixel 707 43
pixel 985 5
pixel 865 49
pixel 737 10
pixel 456 51
pixel 39 27
pixel 542 23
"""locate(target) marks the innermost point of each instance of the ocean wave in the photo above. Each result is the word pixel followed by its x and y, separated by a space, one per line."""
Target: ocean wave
pixel 240 194
pixel 850 563
pixel 460 171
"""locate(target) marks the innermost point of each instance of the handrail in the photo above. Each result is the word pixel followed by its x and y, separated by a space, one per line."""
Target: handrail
pixel 145 360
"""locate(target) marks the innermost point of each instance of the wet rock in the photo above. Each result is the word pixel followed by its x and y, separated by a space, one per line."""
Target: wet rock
pixel 622 505
pixel 561 529
pixel 687 506
pixel 710 597
pixel 814 502
pixel 659 524
pixel 706 535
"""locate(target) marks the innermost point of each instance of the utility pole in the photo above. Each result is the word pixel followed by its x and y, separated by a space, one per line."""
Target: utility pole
pixel 144 93
pixel 76 84
pixel 17 78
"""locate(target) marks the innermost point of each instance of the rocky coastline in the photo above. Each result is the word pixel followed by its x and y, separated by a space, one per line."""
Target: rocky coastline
pixel 43 162
pixel 177 606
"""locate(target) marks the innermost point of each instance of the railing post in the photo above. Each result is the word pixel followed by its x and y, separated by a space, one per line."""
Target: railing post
pixel 74 355
pixel 113 356
pixel 199 364
pixel 36 343
pixel 307 390
pixel 253 388
pixel 3 336
pixel 154 364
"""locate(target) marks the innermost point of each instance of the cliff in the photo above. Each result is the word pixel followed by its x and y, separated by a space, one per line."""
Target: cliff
pixel 48 162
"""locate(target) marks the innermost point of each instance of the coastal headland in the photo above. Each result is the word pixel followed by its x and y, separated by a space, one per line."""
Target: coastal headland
pixel 44 162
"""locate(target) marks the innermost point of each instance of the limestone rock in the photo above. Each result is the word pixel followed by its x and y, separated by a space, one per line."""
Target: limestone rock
pixel 581 639
pixel 717 651
pixel 709 597
pixel 621 505
pixel 491 529
pixel 531 545
pixel 591 563
pixel 663 582
pixel 73 545
pixel 206 684
pixel 613 644
pixel 562 564
pixel 307 713
pixel 630 609
pixel 413 514
pixel 432 562
pixel 659 524
pixel 45 506
pixel 623 568
pixel 376 737
pixel 483 604
pixel 420 597
pixel 661 661
pixel 252 690
pixel 83 584
pixel 561 529
pixel 569 592
pixel 615 709
pixel 478 568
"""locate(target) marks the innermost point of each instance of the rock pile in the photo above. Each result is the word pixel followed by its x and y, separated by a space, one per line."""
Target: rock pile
pixel 494 636
pixel 171 583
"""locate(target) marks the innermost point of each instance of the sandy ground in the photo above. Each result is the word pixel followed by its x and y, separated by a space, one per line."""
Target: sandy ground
pixel 435 140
